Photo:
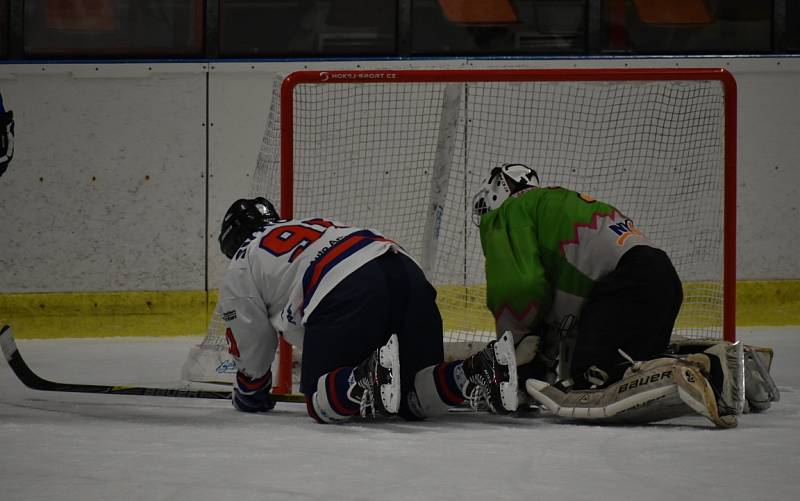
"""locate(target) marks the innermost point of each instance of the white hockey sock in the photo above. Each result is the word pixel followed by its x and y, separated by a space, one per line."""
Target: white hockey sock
pixel 324 408
pixel 437 388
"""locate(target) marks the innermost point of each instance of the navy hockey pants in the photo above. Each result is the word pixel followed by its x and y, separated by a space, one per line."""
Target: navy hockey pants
pixel 387 295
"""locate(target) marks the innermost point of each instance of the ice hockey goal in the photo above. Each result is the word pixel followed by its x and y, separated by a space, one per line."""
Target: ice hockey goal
pixel 404 151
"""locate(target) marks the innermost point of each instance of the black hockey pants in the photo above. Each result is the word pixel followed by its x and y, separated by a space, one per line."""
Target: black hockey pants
pixel 633 308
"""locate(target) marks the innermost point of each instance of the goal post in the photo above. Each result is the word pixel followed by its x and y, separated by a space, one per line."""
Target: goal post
pixel 404 151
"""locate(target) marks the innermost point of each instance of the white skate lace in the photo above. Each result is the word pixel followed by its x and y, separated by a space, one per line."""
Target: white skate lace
pixel 367 404
pixel 474 396
pixel 476 393
pixel 635 366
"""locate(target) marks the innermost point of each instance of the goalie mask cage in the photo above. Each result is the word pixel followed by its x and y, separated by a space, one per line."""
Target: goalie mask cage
pixel 404 152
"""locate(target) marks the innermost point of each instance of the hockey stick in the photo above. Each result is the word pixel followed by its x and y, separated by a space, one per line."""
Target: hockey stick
pixel 31 380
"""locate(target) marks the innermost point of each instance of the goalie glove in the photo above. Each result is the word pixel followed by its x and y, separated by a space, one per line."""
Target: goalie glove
pixel 252 395
pixel 537 356
pixel 530 363
pixel 760 388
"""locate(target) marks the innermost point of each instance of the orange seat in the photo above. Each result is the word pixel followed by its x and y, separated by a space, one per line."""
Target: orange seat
pixel 81 15
pixel 479 12
pixel 674 12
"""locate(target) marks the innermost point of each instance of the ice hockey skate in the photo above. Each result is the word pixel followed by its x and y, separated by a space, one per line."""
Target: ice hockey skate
pixel 377 380
pixel 492 374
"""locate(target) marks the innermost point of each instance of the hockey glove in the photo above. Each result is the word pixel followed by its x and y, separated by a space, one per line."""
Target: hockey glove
pixel 252 395
pixel 6 138
pixel 535 360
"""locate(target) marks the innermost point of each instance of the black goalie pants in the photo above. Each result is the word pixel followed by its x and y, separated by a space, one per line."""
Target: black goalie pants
pixel 633 308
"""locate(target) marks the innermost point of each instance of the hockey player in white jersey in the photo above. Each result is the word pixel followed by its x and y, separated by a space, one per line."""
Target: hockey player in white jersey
pixel 363 313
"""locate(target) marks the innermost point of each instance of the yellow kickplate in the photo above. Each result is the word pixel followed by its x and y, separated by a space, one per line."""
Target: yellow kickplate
pixel 106 314
pixel 185 313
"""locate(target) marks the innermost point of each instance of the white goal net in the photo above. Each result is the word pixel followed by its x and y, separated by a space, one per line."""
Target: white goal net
pixel 403 152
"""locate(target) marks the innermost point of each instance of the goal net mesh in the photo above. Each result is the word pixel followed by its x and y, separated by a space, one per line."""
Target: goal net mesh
pixel 406 159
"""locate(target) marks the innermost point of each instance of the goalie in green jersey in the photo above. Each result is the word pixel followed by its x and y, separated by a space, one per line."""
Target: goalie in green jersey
pixel 591 304
pixel 572 271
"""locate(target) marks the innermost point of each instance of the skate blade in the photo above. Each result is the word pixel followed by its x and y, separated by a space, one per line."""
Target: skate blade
pixel 504 352
pixel 390 359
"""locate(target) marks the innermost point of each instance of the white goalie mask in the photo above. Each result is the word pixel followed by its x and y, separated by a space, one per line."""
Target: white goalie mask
pixel 502 182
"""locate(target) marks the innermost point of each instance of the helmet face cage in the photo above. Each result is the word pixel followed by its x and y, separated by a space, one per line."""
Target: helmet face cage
pixel 503 181
pixel 243 218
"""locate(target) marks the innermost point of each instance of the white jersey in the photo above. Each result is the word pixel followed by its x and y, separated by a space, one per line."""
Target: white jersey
pixel 276 279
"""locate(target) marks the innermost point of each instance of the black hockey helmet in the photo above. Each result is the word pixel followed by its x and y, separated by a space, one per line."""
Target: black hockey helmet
pixel 244 217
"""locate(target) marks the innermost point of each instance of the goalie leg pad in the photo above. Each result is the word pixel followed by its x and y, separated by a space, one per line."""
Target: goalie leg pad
pixel 648 392
pixel 695 390
pixel 760 388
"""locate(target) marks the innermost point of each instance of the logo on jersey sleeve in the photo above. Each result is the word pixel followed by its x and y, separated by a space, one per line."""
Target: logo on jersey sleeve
pixel 233 348
pixel 289 315
pixel 624 230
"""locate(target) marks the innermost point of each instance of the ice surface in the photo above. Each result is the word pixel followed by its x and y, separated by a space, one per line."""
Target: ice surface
pixel 61 446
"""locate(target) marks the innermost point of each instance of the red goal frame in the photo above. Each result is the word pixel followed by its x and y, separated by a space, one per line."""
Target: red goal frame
pixel 333 77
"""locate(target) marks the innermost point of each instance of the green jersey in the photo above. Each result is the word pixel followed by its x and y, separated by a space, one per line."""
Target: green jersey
pixel 545 248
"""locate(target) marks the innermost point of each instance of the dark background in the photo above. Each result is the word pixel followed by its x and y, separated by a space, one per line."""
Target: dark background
pixel 273 29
